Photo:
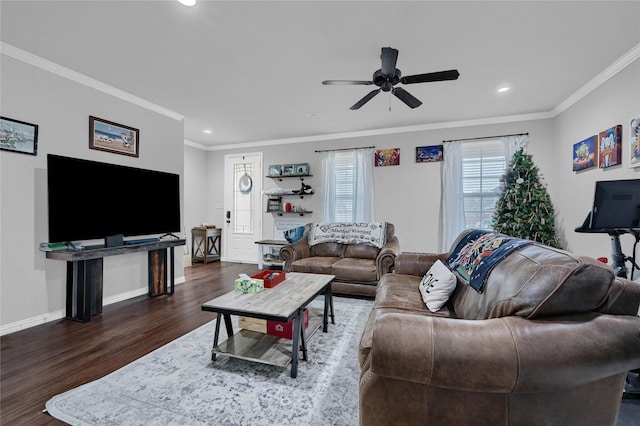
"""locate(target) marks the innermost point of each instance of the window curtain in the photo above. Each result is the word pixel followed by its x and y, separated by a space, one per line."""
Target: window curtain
pixel 512 144
pixel 453 221
pixel 350 177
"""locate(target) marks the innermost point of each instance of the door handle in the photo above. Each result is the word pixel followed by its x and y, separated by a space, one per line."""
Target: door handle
pixel 228 216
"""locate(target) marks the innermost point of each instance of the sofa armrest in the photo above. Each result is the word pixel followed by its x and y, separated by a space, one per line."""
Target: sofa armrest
pixel 387 257
pixel 509 354
pixel 417 263
pixel 292 252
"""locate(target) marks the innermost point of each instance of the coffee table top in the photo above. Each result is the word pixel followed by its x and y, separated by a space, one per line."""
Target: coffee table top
pixel 279 303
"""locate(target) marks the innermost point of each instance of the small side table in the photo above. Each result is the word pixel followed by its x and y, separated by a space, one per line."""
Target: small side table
pixel 205 244
pixel 271 263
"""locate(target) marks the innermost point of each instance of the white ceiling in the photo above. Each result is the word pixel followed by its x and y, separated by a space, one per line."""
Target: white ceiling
pixel 252 71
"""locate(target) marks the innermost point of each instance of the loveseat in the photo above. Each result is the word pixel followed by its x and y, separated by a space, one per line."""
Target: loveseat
pixel 547 341
pixel 357 259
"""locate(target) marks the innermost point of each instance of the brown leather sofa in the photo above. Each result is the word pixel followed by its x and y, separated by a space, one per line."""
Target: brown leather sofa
pixel 357 267
pixel 548 342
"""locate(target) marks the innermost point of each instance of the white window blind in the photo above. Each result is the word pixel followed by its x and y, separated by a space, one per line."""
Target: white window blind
pixel 345 181
pixel 483 164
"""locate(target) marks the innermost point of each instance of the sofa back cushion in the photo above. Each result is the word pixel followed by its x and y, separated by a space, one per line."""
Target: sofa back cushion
pixel 361 251
pixel 536 281
pixel 327 250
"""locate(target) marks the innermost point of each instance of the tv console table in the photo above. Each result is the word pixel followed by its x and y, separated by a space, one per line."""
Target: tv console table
pixel 84 274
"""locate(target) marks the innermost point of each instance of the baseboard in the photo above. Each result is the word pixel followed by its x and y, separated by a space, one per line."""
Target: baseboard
pixel 60 313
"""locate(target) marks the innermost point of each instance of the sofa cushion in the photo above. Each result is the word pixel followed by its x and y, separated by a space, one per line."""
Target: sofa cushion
pixel 328 250
pixel 437 285
pixel 350 269
pixel 314 265
pixel 361 251
pixel 537 281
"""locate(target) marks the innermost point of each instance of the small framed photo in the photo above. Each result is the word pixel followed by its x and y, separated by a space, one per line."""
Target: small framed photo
pixel 273 205
pixel 429 154
pixel 302 169
pixel 288 169
pixel 18 136
pixel 113 137
pixel 275 170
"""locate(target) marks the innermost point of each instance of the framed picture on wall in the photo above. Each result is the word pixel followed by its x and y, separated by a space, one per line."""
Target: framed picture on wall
pixel 18 136
pixel 113 137
pixel 387 157
pixel 634 142
pixel 610 147
pixel 429 154
pixel 584 153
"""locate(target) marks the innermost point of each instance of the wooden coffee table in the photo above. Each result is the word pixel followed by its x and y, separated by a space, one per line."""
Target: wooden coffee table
pixel 284 302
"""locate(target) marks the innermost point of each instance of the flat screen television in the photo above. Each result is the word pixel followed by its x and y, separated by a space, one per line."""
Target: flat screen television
pixel 616 204
pixel 89 200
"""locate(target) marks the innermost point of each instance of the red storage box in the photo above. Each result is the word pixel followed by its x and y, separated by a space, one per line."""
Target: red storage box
pixel 285 329
pixel 270 278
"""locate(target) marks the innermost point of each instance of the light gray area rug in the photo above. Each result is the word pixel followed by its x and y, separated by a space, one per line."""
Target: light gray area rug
pixel 178 384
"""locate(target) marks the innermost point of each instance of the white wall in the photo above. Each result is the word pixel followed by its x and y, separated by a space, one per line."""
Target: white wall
pixel 409 195
pixel 614 102
pixel 196 187
pixel 32 288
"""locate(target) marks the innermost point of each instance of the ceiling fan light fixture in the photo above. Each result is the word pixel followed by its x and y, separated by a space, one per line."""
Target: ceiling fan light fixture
pixel 188 2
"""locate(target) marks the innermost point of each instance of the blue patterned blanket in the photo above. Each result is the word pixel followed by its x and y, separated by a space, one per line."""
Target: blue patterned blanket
pixel 479 252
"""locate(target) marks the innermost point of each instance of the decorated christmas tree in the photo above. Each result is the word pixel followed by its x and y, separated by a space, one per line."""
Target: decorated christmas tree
pixel 524 209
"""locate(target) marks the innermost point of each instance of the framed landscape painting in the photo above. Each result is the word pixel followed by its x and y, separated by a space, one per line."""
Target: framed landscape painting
pixel 429 154
pixel 584 153
pixel 18 136
pixel 610 147
pixel 113 137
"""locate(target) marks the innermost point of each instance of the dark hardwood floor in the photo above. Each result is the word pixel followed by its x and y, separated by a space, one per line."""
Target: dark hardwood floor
pixel 43 361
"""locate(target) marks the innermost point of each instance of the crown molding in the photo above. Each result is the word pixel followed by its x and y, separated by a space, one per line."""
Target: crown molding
pixel 388 130
pixel 625 60
pixel 193 144
pixel 31 59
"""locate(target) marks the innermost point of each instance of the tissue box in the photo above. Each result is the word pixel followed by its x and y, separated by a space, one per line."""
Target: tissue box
pixel 285 329
pixel 277 278
pixel 249 286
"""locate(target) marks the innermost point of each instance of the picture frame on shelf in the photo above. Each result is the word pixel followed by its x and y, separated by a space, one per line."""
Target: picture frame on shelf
pixel 275 170
pixel 112 137
pixel 288 169
pixel 18 136
pixel 302 169
pixel 273 205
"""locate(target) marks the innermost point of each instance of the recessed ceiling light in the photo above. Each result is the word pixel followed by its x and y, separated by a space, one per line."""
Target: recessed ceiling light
pixel 207 131
pixel 313 114
pixel 188 2
pixel 503 89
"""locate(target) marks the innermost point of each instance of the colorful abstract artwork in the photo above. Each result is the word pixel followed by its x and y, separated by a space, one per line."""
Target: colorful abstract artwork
pixel 387 157
pixel 584 153
pixel 610 147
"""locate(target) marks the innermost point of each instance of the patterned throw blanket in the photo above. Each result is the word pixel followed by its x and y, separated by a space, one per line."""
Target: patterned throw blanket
pixel 373 234
pixel 479 252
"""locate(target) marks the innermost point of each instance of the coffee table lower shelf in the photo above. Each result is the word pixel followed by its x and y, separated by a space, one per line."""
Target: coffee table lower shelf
pixel 265 348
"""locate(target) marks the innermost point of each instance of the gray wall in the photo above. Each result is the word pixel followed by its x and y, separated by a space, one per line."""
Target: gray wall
pixel 32 288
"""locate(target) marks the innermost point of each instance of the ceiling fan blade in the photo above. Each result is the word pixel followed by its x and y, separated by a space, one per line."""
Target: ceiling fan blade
pixel 364 100
pixel 431 76
pixel 389 58
pixel 346 82
pixel 406 97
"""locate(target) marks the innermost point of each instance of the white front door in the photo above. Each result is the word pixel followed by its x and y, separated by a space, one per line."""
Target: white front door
pixel 242 206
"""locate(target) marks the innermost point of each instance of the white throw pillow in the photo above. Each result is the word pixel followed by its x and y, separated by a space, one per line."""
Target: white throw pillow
pixel 437 285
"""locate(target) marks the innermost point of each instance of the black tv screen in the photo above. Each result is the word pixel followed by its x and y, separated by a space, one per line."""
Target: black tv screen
pixel 616 204
pixel 90 200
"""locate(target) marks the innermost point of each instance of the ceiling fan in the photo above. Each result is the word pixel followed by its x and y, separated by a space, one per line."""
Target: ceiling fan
pixel 388 76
